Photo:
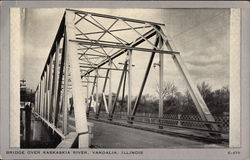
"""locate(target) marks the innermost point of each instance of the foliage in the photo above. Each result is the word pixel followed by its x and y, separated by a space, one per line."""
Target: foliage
pixel 177 102
pixel 168 89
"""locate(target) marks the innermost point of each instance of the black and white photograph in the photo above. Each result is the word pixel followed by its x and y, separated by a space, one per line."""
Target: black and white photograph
pixel 118 81
pixel 125 78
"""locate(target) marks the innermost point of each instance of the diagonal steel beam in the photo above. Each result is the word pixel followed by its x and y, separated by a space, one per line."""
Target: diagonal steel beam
pixel 123 89
pixel 112 110
pixel 144 81
pixel 92 92
pixel 103 90
pixel 139 34
pixel 105 31
pixel 199 102
pixel 138 41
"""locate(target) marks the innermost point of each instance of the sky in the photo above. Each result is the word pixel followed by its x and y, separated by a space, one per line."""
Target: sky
pixel 200 35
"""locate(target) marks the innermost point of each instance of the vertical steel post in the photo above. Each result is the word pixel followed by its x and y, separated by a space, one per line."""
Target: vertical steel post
pixel 103 95
pixel 45 98
pixel 97 91
pixel 110 86
pixel 123 89
pixel 77 88
pixel 41 104
pixel 47 91
pixel 55 81
pixel 65 95
pixel 129 82
pixel 87 103
pixel 59 85
pixel 42 96
pixel 58 100
pixel 39 99
pixel 92 92
pixel 35 102
pixel 161 73
pixel 50 85
pixel 36 98
pixel 45 94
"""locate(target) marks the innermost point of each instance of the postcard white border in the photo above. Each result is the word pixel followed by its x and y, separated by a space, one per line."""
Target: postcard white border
pixel 148 153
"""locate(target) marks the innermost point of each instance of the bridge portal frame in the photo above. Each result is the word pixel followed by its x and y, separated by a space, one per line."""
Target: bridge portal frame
pixel 52 94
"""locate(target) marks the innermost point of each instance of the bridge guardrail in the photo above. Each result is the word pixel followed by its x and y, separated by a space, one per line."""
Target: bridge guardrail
pixel 187 121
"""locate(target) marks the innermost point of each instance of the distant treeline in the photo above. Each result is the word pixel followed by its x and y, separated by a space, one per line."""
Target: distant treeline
pixel 181 103
pixel 174 101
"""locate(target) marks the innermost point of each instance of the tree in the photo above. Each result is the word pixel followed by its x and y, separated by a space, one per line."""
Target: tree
pixel 220 103
pixel 168 90
pixel 189 106
pixel 175 102
pixel 205 90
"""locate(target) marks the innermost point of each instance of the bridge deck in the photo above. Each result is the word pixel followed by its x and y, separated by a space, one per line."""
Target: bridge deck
pixel 118 135
pixel 113 136
pixel 122 131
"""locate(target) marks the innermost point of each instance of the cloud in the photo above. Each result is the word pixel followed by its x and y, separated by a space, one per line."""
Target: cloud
pixel 203 63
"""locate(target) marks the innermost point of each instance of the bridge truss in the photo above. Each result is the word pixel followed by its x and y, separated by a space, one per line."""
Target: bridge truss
pixel 88 44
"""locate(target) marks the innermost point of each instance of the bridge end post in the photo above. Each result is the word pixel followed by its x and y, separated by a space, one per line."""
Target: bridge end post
pixel 195 94
pixel 77 89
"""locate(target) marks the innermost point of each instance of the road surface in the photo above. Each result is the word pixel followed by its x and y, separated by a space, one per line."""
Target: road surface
pixel 114 136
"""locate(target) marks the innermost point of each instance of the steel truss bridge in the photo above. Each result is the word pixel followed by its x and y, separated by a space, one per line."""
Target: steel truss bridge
pixel 86 46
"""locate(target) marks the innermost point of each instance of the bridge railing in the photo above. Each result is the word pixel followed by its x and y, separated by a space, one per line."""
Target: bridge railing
pixel 185 121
